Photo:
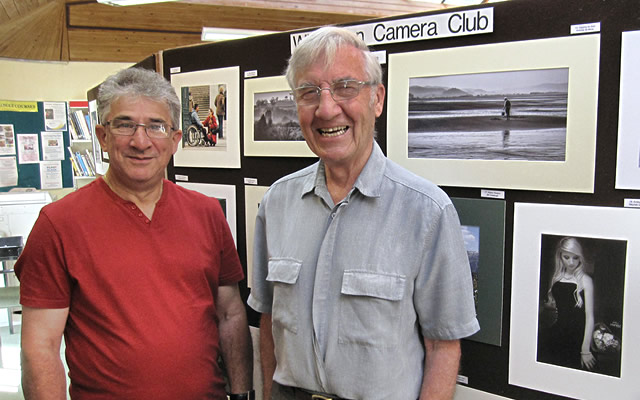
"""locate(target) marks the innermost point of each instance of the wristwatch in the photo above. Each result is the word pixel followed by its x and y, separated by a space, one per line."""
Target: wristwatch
pixel 250 395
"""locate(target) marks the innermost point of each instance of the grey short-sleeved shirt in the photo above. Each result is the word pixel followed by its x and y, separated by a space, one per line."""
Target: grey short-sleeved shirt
pixel 350 286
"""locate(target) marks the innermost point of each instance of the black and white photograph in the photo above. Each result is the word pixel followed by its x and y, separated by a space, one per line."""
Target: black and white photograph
pixel 271 127
pixel 574 297
pixel 275 117
pixel 210 101
pixel 512 115
pixel 581 298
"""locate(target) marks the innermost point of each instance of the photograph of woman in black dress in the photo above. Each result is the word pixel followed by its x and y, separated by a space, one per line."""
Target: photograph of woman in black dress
pixel 581 298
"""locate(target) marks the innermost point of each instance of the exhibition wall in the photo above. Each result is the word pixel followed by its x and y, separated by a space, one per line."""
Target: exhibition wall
pixel 516 110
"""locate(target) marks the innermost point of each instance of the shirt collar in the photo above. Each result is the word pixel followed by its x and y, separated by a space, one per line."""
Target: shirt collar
pixel 368 182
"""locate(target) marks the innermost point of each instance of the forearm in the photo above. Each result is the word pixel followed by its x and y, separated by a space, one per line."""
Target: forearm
pixel 235 343
pixel 588 332
pixel 442 360
pixel 43 376
pixel 267 355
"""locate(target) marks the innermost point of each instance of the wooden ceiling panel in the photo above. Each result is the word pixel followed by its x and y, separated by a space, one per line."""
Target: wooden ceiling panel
pixel 85 30
pixel 122 46
pixel 43 43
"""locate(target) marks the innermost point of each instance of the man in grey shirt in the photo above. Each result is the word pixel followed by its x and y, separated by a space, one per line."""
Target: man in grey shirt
pixel 360 270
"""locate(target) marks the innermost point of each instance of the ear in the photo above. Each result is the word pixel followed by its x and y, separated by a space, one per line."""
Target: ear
pixel 176 138
pixel 101 135
pixel 379 102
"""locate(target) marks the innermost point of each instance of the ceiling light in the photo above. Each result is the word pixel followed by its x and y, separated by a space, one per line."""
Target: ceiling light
pixel 457 2
pixel 218 34
pixel 130 2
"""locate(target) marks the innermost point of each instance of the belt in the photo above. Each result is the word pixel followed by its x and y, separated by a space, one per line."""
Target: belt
pixel 301 394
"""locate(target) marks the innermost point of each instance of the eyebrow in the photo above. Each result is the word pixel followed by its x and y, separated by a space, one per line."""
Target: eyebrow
pixel 341 79
pixel 127 118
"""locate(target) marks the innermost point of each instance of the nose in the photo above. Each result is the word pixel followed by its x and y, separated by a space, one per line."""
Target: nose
pixel 327 106
pixel 140 138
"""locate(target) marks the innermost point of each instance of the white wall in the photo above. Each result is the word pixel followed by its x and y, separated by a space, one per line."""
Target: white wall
pixel 51 81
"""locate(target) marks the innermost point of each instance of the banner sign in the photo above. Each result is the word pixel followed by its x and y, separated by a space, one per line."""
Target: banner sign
pixel 21 106
pixel 462 23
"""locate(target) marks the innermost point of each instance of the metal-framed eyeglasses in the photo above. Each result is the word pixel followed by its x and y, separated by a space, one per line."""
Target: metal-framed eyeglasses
pixel 309 95
pixel 125 127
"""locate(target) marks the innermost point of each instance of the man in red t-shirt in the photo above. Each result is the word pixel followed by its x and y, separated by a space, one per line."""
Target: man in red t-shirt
pixel 147 309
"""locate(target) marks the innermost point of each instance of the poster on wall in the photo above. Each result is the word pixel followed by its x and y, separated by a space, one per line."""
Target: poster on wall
pixel 7 140
pixel 226 195
pixel 628 161
pixel 28 151
pixel 517 115
pixel 482 223
pixel 55 116
pixel 215 92
pixel 271 126
pixel 252 198
pixel 574 292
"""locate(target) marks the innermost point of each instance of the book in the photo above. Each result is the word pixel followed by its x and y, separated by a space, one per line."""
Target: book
pixel 74 164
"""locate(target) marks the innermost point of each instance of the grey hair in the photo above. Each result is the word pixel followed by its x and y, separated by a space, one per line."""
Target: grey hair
pixel 323 44
pixel 138 82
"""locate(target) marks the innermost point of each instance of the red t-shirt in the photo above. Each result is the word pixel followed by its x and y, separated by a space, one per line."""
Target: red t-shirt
pixel 142 317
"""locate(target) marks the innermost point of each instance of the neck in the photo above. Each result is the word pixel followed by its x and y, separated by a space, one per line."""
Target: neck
pixel 144 198
pixel 341 178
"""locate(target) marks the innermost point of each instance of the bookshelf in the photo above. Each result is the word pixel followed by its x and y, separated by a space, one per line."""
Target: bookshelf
pixel 81 149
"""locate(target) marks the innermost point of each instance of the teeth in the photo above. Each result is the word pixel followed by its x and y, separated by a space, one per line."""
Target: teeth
pixel 336 131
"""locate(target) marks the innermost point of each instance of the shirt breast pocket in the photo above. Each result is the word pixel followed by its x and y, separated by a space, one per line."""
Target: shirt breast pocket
pixel 371 308
pixel 283 273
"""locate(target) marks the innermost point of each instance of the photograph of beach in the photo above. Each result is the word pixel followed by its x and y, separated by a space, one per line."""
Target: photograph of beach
pixel 512 115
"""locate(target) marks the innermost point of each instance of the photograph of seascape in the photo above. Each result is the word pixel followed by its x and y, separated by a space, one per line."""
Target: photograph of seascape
pixel 513 115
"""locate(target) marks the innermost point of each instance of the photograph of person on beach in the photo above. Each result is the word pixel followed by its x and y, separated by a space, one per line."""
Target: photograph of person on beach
pixel 512 115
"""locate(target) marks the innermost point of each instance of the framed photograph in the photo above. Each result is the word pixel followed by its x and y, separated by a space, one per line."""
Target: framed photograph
pixel 226 195
pixel 518 115
pixel 574 295
pixel 628 161
pixel 482 223
pixel 271 126
pixel 252 198
pixel 215 91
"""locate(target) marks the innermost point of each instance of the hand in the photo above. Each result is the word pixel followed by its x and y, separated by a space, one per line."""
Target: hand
pixel 587 360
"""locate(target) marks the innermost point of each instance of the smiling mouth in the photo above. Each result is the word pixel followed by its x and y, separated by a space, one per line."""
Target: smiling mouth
pixel 335 131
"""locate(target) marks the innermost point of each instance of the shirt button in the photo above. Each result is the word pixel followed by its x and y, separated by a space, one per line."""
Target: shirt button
pixel 333 215
pixel 139 214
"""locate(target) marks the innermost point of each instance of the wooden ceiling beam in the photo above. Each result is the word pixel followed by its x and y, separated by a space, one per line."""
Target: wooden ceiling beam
pixel 162 17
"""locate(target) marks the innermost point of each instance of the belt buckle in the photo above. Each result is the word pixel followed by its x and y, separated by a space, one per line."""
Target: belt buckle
pixel 320 397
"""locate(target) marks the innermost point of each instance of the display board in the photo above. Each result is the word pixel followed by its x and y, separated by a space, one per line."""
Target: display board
pixel 33 145
pixel 562 121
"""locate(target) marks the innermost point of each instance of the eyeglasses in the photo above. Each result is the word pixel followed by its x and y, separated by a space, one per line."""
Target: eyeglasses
pixel 123 127
pixel 309 95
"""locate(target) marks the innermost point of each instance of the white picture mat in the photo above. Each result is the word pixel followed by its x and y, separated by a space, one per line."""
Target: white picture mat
pixel 252 198
pixel 212 157
pixel 628 161
pixel 227 192
pixel 530 222
pixel 284 148
pixel 580 54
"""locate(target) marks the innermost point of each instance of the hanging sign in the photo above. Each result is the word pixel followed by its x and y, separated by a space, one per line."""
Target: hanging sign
pixel 437 26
